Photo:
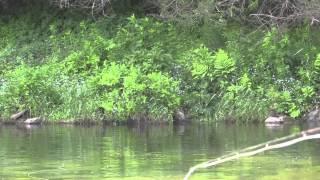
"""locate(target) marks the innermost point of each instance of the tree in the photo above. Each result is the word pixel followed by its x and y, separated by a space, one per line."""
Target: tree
pixel 266 12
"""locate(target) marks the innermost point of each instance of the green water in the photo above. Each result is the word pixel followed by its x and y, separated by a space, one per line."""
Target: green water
pixel 154 152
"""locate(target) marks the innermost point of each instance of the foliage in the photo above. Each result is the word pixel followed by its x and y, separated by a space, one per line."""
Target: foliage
pixel 120 68
pixel 280 74
pixel 86 71
pixel 126 92
pixel 31 88
pixel 242 101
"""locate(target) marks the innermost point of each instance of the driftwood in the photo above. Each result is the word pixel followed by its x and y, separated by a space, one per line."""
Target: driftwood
pixel 20 116
pixel 274 144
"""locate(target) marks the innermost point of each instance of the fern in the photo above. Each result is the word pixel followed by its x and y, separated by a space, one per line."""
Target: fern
pixel 223 64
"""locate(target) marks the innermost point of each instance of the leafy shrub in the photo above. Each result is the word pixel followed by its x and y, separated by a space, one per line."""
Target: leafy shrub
pixel 210 72
pixel 149 44
pixel 78 101
pixel 126 92
pixel 31 88
pixel 241 102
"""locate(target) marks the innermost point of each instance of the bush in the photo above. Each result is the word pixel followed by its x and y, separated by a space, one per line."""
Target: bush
pixel 30 88
pixel 126 92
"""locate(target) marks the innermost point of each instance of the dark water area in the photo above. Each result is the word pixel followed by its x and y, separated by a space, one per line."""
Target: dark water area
pixel 151 152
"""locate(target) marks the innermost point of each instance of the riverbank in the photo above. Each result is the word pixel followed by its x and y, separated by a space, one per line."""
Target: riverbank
pixel 88 122
pixel 67 65
pixel 312 119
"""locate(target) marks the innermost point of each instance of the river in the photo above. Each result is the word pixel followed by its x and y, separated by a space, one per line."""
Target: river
pixel 151 152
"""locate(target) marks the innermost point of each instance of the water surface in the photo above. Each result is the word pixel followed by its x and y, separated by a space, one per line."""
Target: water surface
pixel 153 152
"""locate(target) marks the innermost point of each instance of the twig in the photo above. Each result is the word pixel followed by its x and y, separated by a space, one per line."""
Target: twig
pixel 274 144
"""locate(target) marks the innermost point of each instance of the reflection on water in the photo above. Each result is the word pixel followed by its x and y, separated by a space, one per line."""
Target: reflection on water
pixel 154 152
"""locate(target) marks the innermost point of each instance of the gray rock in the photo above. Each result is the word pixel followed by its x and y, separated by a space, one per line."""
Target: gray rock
pixel 20 116
pixel 179 116
pixel 36 120
pixel 313 115
pixel 275 120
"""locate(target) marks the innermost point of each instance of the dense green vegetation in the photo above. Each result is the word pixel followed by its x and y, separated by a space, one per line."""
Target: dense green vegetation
pixel 64 65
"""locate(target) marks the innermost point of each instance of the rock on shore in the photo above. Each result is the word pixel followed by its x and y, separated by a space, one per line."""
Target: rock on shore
pixel 36 120
pixel 313 115
pixel 275 120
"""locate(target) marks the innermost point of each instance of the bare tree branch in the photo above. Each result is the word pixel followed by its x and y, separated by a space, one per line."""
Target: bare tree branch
pixel 274 144
pixel 261 12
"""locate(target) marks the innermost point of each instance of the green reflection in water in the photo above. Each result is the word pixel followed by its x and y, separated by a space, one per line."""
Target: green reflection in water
pixel 154 152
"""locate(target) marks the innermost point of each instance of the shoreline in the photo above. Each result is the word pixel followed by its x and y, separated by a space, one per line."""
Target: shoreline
pixel 91 122
pixel 310 118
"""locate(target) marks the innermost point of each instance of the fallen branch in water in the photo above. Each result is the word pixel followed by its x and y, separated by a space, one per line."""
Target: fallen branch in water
pixel 274 144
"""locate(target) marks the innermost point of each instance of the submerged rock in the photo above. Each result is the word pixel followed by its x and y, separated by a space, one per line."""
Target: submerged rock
pixel 36 120
pixel 20 116
pixel 275 120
